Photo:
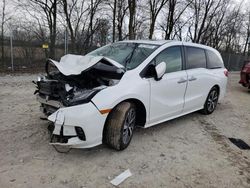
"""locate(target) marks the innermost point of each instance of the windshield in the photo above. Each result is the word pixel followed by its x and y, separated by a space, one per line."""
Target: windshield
pixel 130 55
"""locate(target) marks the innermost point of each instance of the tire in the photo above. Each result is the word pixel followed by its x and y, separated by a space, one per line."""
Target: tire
pixel 120 125
pixel 211 101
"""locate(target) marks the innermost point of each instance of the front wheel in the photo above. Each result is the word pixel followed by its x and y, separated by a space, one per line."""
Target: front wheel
pixel 211 101
pixel 120 125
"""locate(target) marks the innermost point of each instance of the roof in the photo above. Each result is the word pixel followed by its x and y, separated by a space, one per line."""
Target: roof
pixel 162 42
pixel 154 42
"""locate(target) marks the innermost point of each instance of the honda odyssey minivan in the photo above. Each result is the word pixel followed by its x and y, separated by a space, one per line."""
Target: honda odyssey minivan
pixel 101 97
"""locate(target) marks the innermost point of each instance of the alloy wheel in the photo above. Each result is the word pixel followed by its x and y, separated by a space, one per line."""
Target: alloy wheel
pixel 212 100
pixel 129 125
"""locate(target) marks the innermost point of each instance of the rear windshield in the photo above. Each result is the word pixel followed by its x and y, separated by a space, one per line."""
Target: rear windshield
pixel 130 55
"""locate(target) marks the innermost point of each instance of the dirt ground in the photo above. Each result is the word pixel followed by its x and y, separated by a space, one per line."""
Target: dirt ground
pixel 191 151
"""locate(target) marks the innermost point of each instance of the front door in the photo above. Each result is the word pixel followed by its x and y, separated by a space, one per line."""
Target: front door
pixel 167 94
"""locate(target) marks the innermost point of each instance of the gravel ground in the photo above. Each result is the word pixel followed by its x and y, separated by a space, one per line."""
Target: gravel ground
pixel 191 151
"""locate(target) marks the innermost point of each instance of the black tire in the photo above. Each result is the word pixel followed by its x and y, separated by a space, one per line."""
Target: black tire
pixel 117 122
pixel 211 101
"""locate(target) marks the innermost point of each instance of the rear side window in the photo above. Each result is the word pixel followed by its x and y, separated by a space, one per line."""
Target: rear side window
pixel 196 58
pixel 213 60
pixel 172 57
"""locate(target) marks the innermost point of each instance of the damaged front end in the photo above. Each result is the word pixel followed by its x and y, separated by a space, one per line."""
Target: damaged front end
pixel 65 95
pixel 63 88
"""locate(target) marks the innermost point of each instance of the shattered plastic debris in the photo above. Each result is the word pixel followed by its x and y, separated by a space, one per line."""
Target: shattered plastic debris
pixel 119 179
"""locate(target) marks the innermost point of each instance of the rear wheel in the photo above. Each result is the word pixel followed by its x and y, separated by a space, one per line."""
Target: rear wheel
pixel 211 101
pixel 120 125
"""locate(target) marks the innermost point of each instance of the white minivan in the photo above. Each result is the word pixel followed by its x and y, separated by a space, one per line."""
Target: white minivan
pixel 102 96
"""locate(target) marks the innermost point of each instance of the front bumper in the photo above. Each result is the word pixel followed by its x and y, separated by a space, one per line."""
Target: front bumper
pixel 87 117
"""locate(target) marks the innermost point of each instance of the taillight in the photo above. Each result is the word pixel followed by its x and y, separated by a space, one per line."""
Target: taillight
pixel 226 72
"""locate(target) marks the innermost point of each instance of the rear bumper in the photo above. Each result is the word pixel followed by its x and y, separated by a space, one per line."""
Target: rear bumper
pixel 85 116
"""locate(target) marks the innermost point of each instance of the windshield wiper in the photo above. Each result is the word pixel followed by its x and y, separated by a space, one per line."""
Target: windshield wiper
pixel 129 57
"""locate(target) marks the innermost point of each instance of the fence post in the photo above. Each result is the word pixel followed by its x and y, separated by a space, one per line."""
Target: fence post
pixel 228 62
pixel 11 50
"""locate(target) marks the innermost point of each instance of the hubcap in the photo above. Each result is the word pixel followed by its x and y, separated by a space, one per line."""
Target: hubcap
pixel 129 125
pixel 212 100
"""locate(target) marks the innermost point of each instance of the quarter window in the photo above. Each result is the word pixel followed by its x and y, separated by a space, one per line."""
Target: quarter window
pixel 172 57
pixel 196 58
pixel 213 60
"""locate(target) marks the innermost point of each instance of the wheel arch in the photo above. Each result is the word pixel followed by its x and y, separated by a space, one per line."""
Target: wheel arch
pixel 217 87
pixel 141 112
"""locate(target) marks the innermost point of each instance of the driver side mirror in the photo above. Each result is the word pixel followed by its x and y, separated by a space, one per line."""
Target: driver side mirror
pixel 160 70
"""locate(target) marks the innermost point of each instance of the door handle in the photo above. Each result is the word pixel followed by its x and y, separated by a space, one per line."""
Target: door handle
pixel 192 79
pixel 182 81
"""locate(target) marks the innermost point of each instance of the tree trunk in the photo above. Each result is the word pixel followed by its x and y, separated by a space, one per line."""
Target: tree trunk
pixel 2 45
pixel 53 30
pixel 122 9
pixel 114 18
pixel 131 27
pixel 2 32
pixel 248 35
pixel 91 22
pixel 119 28
pixel 170 26
pixel 151 28
pixel 72 34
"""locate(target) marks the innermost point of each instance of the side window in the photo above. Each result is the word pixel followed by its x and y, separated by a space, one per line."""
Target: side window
pixel 213 60
pixel 196 58
pixel 172 57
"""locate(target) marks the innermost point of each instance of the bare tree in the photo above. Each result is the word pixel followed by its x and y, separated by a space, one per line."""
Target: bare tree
pixel 247 35
pixel 74 10
pixel 122 8
pixel 141 21
pixel 102 31
pixel 94 5
pixel 155 8
pixel 175 9
pixel 114 19
pixel 233 27
pixel 4 19
pixel 203 14
pixel 47 9
pixel 216 32
pixel 113 5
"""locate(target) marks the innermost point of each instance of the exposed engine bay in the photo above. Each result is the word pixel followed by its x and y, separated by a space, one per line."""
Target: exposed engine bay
pixel 56 89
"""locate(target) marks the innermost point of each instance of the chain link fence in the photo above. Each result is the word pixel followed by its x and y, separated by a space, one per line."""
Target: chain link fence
pixel 234 62
pixel 31 58
pixel 26 58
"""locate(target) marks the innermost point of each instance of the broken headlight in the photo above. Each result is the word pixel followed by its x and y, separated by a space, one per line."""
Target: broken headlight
pixel 80 97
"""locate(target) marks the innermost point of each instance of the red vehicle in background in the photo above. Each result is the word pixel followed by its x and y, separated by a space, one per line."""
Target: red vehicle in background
pixel 245 75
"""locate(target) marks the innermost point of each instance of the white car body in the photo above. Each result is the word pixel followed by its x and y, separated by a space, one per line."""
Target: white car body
pixel 176 94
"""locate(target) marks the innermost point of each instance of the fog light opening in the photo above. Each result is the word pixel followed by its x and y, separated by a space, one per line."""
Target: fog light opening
pixel 80 133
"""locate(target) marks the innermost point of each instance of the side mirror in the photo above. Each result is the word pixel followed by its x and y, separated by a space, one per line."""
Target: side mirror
pixel 160 70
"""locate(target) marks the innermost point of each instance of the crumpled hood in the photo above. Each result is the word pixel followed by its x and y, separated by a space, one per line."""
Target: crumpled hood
pixel 74 64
